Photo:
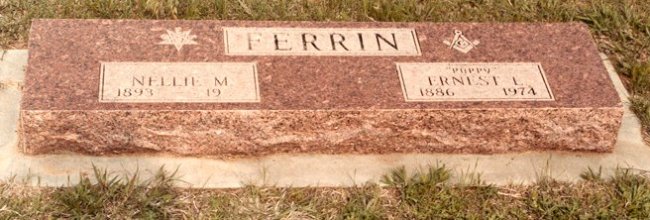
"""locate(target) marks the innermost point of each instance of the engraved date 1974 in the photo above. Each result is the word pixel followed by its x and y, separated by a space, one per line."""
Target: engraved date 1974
pixel 519 91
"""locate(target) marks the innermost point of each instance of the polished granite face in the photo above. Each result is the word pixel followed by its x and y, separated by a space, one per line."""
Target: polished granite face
pixel 245 88
pixel 66 56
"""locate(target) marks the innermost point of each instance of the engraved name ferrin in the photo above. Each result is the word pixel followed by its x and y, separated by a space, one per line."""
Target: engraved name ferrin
pixel 427 82
pixel 178 82
pixel 321 41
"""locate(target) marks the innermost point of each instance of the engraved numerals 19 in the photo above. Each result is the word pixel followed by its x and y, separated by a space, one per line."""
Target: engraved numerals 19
pixel 213 92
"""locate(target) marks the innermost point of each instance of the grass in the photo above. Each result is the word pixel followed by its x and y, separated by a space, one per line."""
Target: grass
pixel 621 28
pixel 114 196
pixel 422 195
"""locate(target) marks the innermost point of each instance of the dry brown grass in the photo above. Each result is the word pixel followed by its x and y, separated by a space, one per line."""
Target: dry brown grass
pixel 425 195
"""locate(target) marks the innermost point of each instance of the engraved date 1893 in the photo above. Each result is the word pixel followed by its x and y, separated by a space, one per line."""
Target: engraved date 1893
pixel 134 92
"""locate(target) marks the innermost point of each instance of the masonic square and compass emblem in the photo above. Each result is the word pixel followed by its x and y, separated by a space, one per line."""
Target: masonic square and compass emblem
pixel 460 42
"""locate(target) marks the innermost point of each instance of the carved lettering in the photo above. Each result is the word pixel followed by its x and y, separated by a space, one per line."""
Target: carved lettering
pixel 381 38
pixel 423 82
pixel 281 41
pixel 178 82
pixel 337 39
pixel 311 41
pixel 321 41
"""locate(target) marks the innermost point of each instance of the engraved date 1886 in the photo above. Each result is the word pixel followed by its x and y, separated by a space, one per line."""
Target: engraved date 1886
pixel 430 92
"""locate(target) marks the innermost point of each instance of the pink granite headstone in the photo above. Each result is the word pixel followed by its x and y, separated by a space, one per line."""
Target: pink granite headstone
pixel 245 88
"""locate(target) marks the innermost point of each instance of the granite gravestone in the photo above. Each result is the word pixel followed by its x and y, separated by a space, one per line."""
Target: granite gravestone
pixel 243 88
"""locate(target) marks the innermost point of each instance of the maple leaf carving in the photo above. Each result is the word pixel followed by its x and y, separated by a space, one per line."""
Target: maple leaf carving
pixel 178 38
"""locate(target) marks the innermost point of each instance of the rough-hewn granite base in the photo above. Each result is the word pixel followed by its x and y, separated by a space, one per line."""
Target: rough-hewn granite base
pixel 252 133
